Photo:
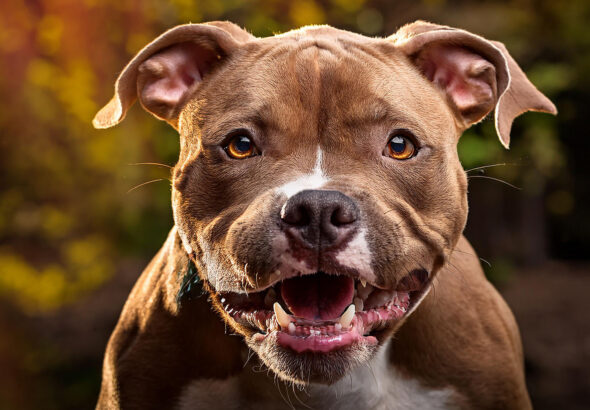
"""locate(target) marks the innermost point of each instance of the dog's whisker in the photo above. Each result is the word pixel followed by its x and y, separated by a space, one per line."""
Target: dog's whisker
pixel 491 166
pixel 495 179
pixel 464 252
pixel 286 400
pixel 250 354
pixel 152 163
pixel 297 397
pixel 474 255
pixel 485 261
pixel 375 378
pixel 146 183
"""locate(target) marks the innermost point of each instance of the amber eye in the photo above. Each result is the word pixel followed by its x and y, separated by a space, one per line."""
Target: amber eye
pixel 241 147
pixel 401 147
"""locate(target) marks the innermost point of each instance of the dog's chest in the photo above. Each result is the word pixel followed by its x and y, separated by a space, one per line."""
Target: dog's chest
pixel 376 386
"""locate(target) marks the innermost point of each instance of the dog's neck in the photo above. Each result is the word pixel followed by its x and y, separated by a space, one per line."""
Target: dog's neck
pixel 377 385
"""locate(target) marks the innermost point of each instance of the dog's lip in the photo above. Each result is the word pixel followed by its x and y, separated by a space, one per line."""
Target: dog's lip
pixel 402 285
pixel 380 308
pixel 277 277
pixel 326 342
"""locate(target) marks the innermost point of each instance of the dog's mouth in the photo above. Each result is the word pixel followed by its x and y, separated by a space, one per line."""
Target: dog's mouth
pixel 321 312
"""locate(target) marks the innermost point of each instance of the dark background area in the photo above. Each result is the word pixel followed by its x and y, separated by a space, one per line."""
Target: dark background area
pixel 75 235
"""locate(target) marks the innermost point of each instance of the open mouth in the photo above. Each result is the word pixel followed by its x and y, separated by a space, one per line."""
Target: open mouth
pixel 321 312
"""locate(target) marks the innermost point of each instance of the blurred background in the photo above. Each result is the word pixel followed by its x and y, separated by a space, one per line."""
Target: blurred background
pixel 75 233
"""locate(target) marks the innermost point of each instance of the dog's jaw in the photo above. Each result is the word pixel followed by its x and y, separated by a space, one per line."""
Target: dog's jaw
pixel 303 349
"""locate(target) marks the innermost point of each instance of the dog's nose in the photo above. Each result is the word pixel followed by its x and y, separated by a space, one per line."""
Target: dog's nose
pixel 320 218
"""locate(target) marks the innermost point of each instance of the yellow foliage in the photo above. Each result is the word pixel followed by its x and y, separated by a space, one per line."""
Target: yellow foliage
pixel 55 223
pixel 49 33
pixel 34 291
pixel 40 290
pixel 350 6
pixel 306 12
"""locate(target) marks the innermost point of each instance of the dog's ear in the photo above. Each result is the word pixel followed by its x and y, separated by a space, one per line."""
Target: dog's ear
pixel 161 74
pixel 476 74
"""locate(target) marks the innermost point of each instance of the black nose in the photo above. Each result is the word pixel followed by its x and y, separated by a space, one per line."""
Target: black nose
pixel 320 218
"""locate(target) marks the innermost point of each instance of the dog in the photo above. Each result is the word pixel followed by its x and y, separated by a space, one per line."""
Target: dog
pixel 319 204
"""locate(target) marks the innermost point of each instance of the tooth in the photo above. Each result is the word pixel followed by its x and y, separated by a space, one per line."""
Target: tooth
pixel 363 282
pixel 358 304
pixel 282 317
pixel 364 292
pixel 338 327
pixel 291 327
pixel 346 318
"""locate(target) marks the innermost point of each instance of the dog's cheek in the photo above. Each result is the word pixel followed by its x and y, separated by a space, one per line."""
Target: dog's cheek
pixel 249 240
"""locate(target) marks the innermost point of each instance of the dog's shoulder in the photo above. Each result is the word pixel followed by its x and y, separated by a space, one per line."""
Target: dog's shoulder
pixel 158 344
pixel 464 317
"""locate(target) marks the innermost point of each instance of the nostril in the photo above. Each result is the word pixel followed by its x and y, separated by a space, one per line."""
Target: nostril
pixel 297 214
pixel 342 216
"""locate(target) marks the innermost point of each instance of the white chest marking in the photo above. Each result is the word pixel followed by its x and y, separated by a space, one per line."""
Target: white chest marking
pixel 374 386
pixel 315 180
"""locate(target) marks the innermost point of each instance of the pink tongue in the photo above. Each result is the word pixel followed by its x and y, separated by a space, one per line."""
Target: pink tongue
pixel 318 296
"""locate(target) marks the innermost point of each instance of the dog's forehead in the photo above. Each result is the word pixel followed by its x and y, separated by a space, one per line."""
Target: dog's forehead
pixel 321 75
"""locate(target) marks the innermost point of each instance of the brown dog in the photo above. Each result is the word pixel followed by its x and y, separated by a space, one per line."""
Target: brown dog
pixel 318 199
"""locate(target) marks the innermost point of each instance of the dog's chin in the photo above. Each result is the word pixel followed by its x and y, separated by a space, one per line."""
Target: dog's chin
pixel 316 328
pixel 310 367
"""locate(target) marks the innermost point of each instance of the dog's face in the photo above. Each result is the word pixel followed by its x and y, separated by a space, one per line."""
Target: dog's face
pixel 318 189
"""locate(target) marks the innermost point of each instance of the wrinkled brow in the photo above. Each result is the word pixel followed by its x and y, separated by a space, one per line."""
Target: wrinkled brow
pixel 379 111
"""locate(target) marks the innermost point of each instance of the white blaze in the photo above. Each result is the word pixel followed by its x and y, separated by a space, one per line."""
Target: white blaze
pixel 315 180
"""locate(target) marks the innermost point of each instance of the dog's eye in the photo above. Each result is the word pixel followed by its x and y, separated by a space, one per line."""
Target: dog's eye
pixel 241 147
pixel 400 147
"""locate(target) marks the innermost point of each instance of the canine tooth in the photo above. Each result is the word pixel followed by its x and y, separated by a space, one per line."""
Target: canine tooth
pixel 347 317
pixel 292 327
pixel 282 317
pixel 363 282
pixel 358 304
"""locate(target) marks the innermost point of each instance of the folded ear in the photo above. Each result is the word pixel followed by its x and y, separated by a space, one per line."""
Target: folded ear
pixel 477 75
pixel 163 72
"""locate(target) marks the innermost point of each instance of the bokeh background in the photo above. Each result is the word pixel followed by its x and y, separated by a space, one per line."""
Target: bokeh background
pixel 75 234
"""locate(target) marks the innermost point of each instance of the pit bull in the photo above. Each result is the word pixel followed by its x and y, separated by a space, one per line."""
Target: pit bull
pixel 317 257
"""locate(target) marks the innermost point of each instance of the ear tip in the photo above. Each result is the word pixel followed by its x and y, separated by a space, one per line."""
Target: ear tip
pixel 505 142
pixel 96 123
pixel 551 109
pixel 504 124
pixel 109 115
pixel 545 105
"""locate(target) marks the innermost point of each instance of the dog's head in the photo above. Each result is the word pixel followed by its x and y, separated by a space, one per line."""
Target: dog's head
pixel 318 189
